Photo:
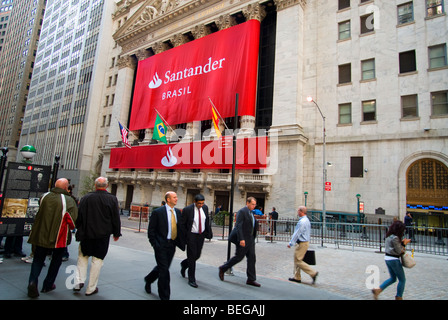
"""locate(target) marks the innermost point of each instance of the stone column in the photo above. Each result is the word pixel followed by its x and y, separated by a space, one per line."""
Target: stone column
pixel 120 110
pixel 247 123
pixel 287 107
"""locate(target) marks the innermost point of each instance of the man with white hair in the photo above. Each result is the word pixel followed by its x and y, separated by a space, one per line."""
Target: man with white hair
pixel 98 218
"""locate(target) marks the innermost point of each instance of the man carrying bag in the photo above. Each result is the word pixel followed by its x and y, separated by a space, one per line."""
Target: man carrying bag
pixel 301 238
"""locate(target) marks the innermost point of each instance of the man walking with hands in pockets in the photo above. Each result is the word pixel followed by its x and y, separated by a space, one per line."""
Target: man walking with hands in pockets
pixel 301 239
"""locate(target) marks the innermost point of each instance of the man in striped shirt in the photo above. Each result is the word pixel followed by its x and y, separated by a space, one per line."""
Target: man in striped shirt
pixel 301 239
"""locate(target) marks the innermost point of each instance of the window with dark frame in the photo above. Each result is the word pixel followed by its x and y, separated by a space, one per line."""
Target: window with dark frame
pixel 367 24
pixel 407 61
pixel 342 4
pixel 434 8
pixel 345 73
pixel 356 167
pixel 405 13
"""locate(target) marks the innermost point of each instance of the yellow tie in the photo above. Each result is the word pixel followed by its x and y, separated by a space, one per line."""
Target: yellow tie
pixel 173 226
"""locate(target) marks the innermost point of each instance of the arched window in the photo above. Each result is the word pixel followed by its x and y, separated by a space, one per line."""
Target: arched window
pixel 427 185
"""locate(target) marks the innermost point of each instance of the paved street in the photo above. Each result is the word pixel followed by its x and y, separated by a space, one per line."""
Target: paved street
pixel 342 274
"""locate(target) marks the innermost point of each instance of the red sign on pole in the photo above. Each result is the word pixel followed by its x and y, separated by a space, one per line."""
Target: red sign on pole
pixel 327 186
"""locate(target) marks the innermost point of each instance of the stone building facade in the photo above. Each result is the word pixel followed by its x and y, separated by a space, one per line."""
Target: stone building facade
pixel 378 75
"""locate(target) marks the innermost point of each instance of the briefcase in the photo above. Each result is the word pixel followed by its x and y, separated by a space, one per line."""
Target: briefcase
pixel 310 258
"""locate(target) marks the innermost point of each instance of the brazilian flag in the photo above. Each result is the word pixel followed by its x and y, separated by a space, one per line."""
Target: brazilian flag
pixel 159 131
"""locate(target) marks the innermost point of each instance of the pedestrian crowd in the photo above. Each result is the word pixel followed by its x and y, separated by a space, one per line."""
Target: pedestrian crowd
pixel 95 218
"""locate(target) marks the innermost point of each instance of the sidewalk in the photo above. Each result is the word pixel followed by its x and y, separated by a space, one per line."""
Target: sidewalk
pixel 342 274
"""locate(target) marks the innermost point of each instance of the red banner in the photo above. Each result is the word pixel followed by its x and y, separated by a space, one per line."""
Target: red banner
pixel 180 81
pixel 251 153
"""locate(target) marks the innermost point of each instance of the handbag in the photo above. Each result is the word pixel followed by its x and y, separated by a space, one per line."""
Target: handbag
pixel 310 257
pixel 407 261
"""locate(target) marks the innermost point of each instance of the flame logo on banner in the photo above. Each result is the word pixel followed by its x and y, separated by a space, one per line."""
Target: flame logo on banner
pixel 156 82
pixel 170 160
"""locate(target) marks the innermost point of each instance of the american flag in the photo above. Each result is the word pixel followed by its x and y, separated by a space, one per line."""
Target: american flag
pixel 124 135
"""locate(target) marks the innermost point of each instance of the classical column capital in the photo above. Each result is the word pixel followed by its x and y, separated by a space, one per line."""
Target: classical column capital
pixel 200 31
pixel 254 11
pixel 126 62
pixel 225 21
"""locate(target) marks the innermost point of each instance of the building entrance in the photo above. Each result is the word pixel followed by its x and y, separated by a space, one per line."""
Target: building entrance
pixel 427 193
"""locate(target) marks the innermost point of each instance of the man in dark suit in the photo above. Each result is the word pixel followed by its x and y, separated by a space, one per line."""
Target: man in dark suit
pixel 243 235
pixel 196 224
pixel 164 233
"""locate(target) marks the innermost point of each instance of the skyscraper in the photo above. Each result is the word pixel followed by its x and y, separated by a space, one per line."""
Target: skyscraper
pixel 62 110
pixel 16 65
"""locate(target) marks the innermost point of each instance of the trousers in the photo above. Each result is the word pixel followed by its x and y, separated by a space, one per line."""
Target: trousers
pixel 95 268
pixel 40 254
pixel 249 252
pixel 195 242
pixel 299 264
pixel 164 256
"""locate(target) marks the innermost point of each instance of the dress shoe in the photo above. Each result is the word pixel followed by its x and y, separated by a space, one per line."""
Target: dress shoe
pixel 32 290
pixel 221 274
pixel 193 284
pixel 315 277
pixel 91 293
pixel 147 286
pixel 182 270
pixel 253 283
pixel 78 287
pixel 45 290
pixel 295 280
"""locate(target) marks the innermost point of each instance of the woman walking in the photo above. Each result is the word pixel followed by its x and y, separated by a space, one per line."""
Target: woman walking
pixel 395 247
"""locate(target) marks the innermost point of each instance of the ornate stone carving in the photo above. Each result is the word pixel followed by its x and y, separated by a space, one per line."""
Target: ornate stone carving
pixel 283 4
pixel 159 47
pixel 225 21
pixel 254 11
pixel 179 39
pixel 126 62
pixel 200 31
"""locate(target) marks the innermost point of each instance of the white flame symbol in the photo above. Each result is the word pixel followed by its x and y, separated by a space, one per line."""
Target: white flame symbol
pixel 156 82
pixel 170 160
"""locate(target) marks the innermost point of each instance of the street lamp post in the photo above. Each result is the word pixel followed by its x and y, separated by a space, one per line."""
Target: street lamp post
pixel 324 163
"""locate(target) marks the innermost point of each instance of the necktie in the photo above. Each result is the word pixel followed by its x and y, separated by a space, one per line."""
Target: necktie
pixel 173 226
pixel 200 221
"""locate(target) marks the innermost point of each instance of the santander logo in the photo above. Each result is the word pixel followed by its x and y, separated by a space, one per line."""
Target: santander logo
pixel 210 65
pixel 169 160
pixel 156 82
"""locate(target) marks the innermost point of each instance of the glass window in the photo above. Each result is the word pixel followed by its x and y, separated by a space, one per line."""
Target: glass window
pixel 344 30
pixel 367 24
pixel 369 110
pixel 356 167
pixel 434 7
pixel 439 102
pixel 409 106
pixel 342 4
pixel 407 61
pixel 368 69
pixel 345 73
pixel 345 113
pixel 437 56
pixel 405 13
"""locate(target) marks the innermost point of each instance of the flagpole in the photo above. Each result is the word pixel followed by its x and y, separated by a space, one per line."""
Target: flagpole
pixel 232 186
pixel 165 122
pixel 214 107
